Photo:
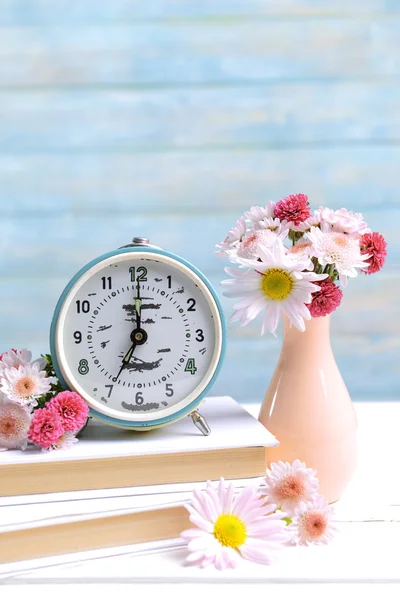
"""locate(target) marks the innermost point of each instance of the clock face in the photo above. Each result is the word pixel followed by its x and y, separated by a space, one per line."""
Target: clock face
pixel 138 336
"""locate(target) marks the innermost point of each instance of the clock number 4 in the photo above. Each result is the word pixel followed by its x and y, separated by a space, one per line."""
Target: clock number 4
pixel 191 366
pixel 139 274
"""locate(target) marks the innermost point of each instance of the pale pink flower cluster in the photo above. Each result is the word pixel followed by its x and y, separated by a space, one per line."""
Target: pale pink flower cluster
pixel 22 384
pixel 256 522
pixel 292 260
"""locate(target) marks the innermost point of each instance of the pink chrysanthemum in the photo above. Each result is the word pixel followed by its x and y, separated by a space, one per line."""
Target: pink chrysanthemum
pixel 375 245
pixel 295 209
pixel 229 526
pixel 72 409
pixel 287 485
pixel 46 428
pixel 326 299
pixel 312 523
pixel 14 426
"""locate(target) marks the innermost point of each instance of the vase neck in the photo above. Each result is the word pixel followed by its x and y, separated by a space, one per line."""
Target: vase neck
pixel 316 329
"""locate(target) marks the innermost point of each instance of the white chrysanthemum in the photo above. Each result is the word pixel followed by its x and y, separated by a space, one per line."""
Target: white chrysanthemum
pixel 248 247
pixel 338 249
pixel 312 221
pixel 287 485
pixel 17 358
pixel 276 283
pixel 232 240
pixel 15 421
pixel 25 384
pixel 259 213
pixel 312 523
pixel 304 249
pixel 229 526
pixel 65 442
pixel 343 220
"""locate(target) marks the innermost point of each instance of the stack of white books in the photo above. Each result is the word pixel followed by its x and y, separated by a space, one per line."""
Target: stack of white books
pixel 119 490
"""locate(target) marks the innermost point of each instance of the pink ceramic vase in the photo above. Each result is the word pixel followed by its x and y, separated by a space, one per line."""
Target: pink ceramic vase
pixel 308 408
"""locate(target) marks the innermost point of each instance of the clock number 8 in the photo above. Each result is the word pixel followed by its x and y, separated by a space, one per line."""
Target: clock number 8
pixel 83 368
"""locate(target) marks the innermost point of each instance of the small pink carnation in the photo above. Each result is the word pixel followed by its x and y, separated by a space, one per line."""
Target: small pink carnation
pixel 295 209
pixel 46 428
pixel 71 408
pixel 326 299
pixel 374 244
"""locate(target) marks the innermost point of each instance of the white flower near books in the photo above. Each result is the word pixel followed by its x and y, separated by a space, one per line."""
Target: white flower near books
pixel 287 485
pixel 251 523
pixel 312 523
pixel 229 526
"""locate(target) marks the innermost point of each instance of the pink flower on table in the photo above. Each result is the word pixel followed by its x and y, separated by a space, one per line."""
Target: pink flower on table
pixel 71 408
pixel 374 244
pixel 326 299
pixel 14 425
pixel 46 428
pixel 294 208
pixel 312 523
pixel 287 485
pixel 228 526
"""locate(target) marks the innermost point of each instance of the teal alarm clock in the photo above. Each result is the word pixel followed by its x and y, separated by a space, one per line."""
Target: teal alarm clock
pixel 140 334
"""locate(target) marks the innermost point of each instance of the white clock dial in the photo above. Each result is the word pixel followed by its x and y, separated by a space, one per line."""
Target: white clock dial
pixel 139 336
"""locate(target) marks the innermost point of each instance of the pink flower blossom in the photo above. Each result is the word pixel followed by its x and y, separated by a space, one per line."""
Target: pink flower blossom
pixel 375 245
pixel 287 485
pixel 14 425
pixel 72 410
pixel 4 353
pixel 326 299
pixel 46 428
pixel 312 522
pixel 294 208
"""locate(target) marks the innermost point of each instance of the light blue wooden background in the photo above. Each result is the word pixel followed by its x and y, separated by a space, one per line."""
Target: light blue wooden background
pixel 168 119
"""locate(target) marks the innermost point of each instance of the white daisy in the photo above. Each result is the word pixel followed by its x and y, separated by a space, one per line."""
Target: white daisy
pixel 258 213
pixel 229 526
pixel 232 240
pixel 312 523
pixel 304 249
pixel 287 485
pixel 25 383
pixel 343 220
pixel 248 247
pixel 338 249
pixel 312 221
pixel 276 283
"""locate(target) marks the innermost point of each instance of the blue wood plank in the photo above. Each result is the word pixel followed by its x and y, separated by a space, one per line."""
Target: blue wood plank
pixel 38 12
pixel 254 116
pixel 200 53
pixel 56 247
pixel 190 182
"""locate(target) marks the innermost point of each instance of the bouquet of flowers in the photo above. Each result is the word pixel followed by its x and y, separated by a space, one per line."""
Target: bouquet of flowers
pixel 34 407
pixel 294 261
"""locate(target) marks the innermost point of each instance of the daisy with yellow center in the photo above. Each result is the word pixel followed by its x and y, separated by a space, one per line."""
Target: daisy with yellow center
pixel 229 526
pixel 277 282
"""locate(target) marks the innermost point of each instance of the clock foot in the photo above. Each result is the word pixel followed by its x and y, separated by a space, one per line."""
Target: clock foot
pixel 200 423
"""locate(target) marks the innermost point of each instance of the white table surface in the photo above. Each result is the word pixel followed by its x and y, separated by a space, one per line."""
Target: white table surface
pixel 366 549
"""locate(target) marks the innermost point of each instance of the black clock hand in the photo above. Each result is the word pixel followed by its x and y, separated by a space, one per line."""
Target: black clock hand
pixel 126 359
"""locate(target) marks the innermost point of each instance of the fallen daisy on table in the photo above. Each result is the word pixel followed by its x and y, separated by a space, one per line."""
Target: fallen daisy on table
pixel 250 524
